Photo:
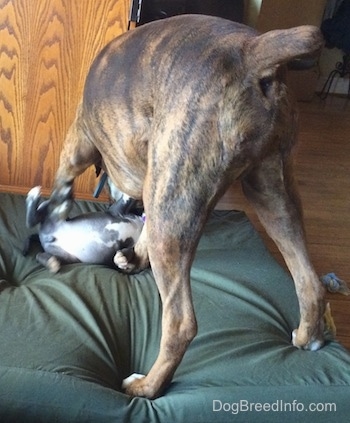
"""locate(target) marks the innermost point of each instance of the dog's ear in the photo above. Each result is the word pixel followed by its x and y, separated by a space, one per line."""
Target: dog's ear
pixel 284 45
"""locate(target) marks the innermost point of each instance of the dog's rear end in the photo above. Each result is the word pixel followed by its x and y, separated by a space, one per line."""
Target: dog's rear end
pixel 176 110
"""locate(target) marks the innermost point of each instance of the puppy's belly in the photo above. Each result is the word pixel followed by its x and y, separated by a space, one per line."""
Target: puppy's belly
pixel 83 247
pixel 74 243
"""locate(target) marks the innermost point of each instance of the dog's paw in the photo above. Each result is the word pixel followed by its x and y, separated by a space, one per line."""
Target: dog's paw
pixel 32 203
pixel 49 261
pixel 123 261
pixel 305 344
pixel 53 265
pixel 129 380
pixel 34 193
pixel 120 260
pixel 134 386
pixel 138 385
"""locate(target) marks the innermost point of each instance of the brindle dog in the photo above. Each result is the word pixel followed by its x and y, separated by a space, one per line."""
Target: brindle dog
pixel 175 111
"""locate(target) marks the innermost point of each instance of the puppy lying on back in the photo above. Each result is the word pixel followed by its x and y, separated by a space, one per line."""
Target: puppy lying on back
pixel 96 237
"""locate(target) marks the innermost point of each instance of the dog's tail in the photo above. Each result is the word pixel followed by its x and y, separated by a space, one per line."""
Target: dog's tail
pixel 284 45
pixel 33 214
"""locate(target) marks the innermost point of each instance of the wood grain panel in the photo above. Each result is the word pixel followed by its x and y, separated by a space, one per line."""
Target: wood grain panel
pixel 46 48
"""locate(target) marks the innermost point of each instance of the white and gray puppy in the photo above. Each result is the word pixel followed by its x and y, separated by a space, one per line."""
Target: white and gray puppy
pixel 94 238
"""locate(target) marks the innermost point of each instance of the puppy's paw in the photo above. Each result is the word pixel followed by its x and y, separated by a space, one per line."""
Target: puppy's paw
pixel 33 217
pixel 34 193
pixel 122 260
pixel 49 261
pixel 302 342
pixel 53 264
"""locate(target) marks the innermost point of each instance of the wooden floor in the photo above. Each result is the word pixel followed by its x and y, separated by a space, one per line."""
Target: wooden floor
pixel 323 172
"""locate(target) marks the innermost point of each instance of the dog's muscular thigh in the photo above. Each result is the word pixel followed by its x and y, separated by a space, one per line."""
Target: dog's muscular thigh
pixel 128 110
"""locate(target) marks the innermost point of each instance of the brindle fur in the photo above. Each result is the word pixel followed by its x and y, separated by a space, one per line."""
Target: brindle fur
pixel 175 111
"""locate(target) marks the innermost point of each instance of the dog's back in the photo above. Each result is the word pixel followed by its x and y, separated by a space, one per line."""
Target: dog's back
pixel 175 111
pixel 206 84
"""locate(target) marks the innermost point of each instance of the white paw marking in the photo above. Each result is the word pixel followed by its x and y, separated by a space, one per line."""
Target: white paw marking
pixel 120 260
pixel 128 381
pixel 34 192
pixel 311 346
pixel 315 345
pixel 53 265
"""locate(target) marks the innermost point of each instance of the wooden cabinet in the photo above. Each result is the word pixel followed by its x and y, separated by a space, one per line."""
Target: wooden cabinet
pixel 46 48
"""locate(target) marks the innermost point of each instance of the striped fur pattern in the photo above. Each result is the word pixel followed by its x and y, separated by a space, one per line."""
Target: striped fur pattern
pixel 175 111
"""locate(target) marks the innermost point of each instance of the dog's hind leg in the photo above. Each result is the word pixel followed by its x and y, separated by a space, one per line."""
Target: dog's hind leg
pixel 271 189
pixel 174 222
pixel 77 155
pixel 171 264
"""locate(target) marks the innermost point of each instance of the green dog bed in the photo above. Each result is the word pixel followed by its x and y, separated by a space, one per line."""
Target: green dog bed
pixel 68 340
